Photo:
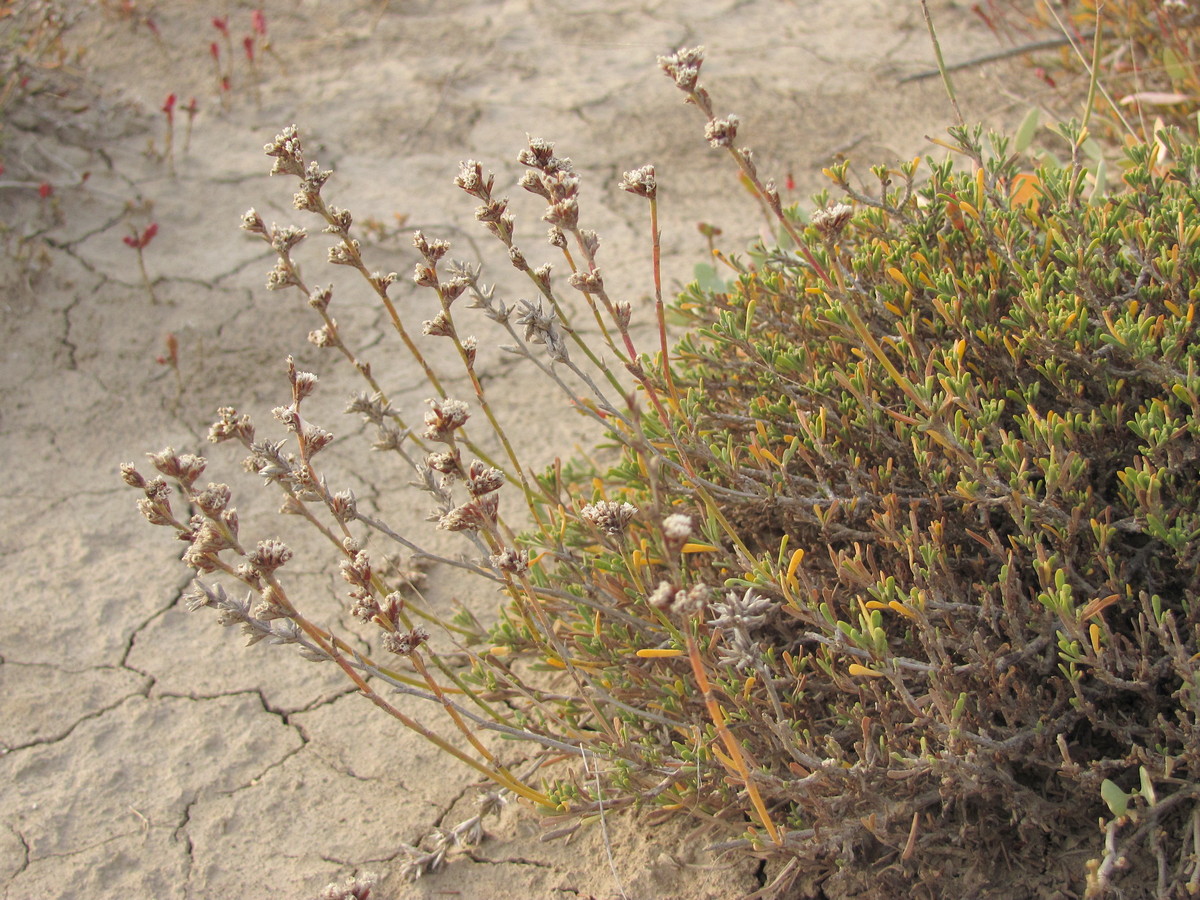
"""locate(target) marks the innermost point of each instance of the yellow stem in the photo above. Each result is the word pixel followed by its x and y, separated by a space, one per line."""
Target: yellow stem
pixel 732 747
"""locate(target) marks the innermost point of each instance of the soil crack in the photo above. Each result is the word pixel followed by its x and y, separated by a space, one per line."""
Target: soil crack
pixel 69 730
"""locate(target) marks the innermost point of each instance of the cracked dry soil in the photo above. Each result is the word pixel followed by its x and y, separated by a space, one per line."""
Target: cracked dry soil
pixel 143 752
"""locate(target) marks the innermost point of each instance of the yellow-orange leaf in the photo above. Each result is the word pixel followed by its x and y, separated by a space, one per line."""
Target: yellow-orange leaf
pixel 1093 607
pixel 856 669
pixel 794 563
pixel 1025 190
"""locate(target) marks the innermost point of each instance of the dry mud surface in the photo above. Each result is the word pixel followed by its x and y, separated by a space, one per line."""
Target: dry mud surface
pixel 145 753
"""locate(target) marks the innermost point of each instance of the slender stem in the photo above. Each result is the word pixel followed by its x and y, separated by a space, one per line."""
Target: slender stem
pixel 1093 74
pixel 449 707
pixel 600 323
pixel 356 258
pixel 481 398
pixel 993 56
pixel 1094 84
pixel 334 336
pixel 941 64
pixel 331 650
pixel 145 276
pixel 659 308
pixel 733 748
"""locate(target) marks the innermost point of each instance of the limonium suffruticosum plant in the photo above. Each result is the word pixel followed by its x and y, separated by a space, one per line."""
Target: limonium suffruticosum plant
pixel 892 561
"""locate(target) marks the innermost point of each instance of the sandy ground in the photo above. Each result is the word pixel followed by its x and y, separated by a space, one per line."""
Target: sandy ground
pixel 143 752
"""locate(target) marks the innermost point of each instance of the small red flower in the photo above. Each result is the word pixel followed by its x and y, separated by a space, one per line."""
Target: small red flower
pixel 221 23
pixel 259 22
pixel 138 241
pixel 169 107
pixel 45 190
pixel 171 357
pixel 214 51
pixel 248 44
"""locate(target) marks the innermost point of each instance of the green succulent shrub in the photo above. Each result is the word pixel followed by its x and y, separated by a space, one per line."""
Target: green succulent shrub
pixel 946 467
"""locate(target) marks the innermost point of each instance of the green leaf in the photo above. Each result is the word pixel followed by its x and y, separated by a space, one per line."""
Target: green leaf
pixel 1147 786
pixel 1115 798
pixel 1176 71
pixel 1101 186
pixel 708 280
pixel 1028 128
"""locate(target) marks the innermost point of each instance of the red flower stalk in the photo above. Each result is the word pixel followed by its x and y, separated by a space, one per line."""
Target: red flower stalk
pixel 171 357
pixel 138 242
pixel 221 23
pixel 191 109
pixel 168 153
pixel 259 22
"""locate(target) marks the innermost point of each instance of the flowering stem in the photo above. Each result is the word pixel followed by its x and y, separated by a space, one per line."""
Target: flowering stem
pixel 499 775
pixel 191 110
pixel 333 649
pixel 356 261
pixel 145 276
pixel 468 362
pixel 331 332
pixel 419 665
